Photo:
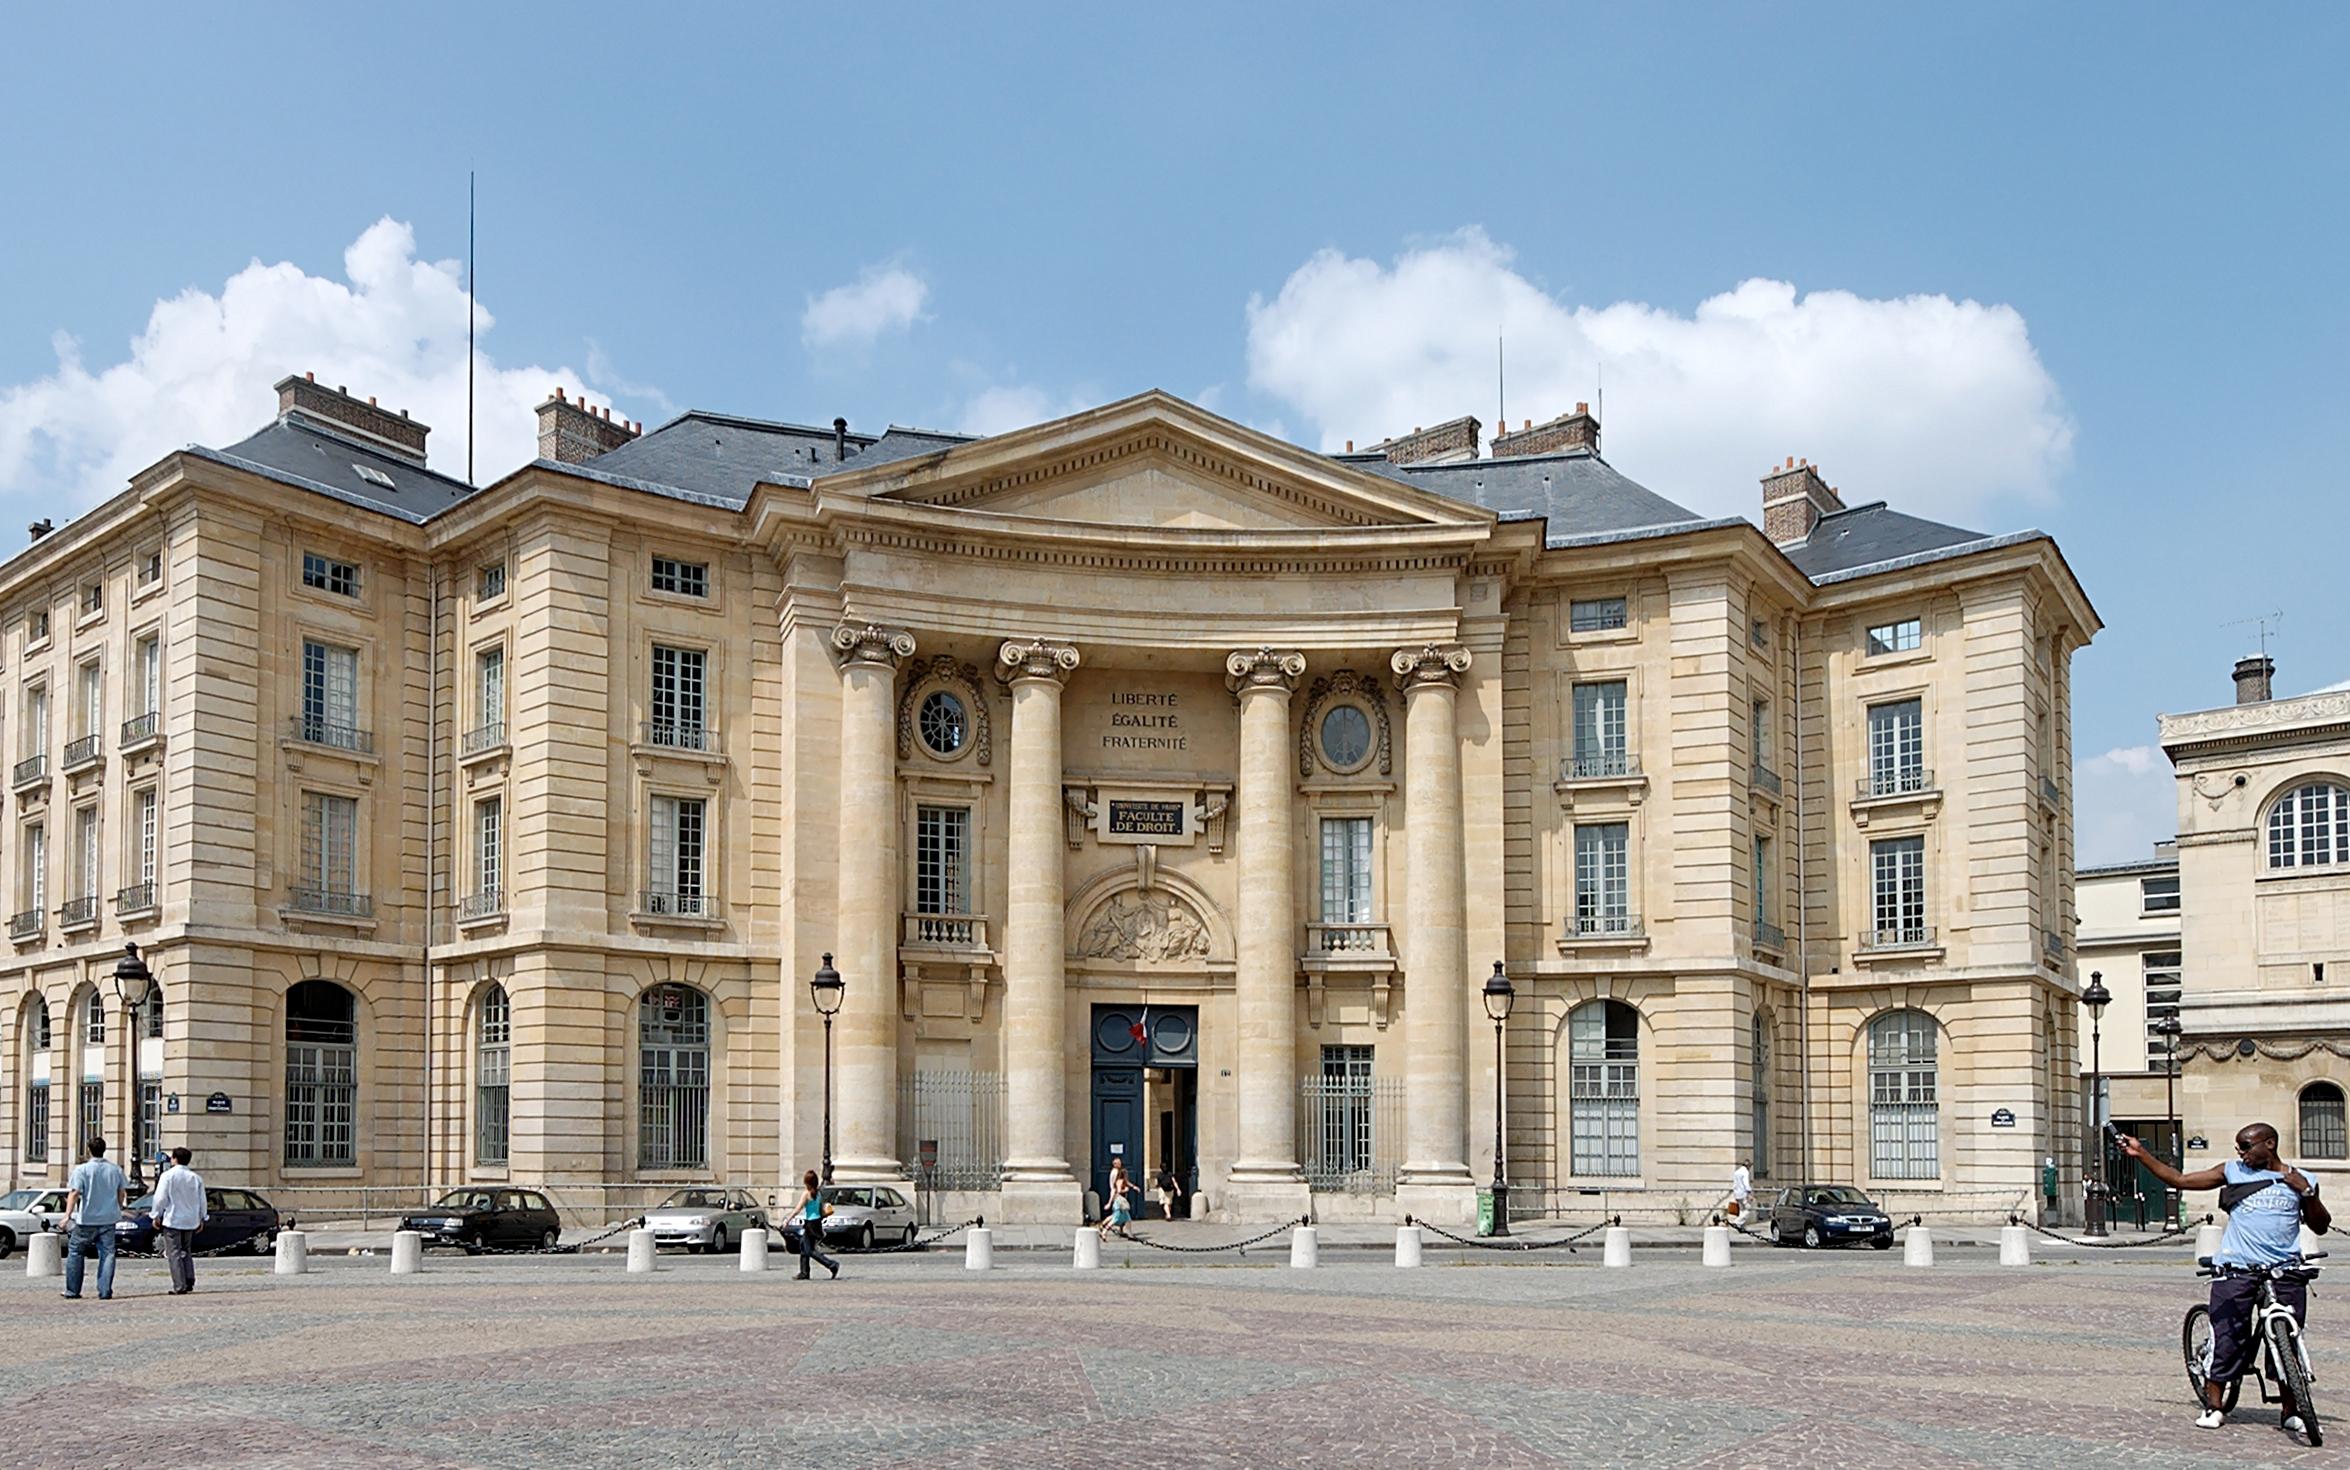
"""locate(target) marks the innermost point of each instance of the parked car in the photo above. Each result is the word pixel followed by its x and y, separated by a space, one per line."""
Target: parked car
pixel 232 1217
pixel 705 1218
pixel 21 1215
pixel 862 1215
pixel 477 1217
pixel 1829 1214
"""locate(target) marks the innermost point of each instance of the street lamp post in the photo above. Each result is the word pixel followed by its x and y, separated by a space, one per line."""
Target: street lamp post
pixel 2096 998
pixel 2169 1028
pixel 134 984
pixel 1499 993
pixel 825 989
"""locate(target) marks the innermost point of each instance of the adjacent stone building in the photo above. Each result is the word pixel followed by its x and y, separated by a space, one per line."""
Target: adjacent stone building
pixel 1160 790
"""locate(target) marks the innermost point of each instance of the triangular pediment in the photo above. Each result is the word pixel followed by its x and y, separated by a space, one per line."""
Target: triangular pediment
pixel 1153 461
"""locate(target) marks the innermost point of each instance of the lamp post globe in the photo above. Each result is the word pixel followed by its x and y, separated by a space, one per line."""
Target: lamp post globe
pixel 1499 995
pixel 134 986
pixel 2097 998
pixel 826 990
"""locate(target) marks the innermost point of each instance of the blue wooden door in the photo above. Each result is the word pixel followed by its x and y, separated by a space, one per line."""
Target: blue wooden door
pixel 1117 1125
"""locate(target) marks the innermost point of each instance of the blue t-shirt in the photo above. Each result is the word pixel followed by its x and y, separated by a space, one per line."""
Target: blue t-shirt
pixel 812 1208
pixel 2265 1227
pixel 100 1184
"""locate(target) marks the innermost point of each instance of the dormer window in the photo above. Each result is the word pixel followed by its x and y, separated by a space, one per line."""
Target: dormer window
pixel 1902 637
pixel 681 578
pixel 328 575
pixel 491 584
pixel 374 476
pixel 36 626
pixel 1598 614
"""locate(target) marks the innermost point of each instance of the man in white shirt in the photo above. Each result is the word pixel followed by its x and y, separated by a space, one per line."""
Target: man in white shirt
pixel 1741 1193
pixel 179 1214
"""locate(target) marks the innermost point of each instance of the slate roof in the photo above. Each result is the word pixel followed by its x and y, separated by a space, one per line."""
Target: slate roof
pixel 720 457
pixel 1864 535
pixel 290 449
pixel 900 442
pixel 1576 492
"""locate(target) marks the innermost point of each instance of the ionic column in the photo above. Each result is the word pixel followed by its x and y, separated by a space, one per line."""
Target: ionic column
pixel 865 1087
pixel 1265 978
pixel 1038 1185
pixel 1435 988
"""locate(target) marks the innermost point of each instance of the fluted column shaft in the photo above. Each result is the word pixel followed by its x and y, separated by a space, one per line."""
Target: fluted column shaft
pixel 1435 988
pixel 866 1088
pixel 1036 1126
pixel 1265 979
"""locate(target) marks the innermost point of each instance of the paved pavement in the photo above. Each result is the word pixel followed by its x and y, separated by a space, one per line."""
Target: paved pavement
pixel 1786 1358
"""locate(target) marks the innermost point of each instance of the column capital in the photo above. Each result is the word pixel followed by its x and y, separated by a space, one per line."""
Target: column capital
pixel 871 643
pixel 1035 658
pixel 1431 665
pixel 1248 670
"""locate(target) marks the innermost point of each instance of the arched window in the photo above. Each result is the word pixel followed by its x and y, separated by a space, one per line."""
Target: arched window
pixel 1603 1088
pixel 2310 827
pixel 2324 1132
pixel 673 1079
pixel 37 1042
pixel 492 1100
pixel 1762 1093
pixel 1905 1115
pixel 322 1075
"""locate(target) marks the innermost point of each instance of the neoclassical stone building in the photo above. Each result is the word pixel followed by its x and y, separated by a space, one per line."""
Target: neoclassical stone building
pixel 1161 791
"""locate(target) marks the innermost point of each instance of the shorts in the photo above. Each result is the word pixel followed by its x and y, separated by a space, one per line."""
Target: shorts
pixel 2232 1301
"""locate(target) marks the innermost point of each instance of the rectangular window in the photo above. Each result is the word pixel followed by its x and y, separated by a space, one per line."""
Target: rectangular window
pixel 93 1105
pixel 1600 733
pixel 1905 1109
pixel 1346 1117
pixel 1897 748
pixel 1603 897
pixel 85 851
pixel 1346 870
pixel 328 575
pixel 674 882
pixel 330 694
pixel 489 842
pixel 89 699
pixel 151 569
pixel 1898 890
pixel 143 824
pixel 489 686
pixel 2159 895
pixel 1603 1090
pixel 36 626
pixel 1898 637
pixel 93 598
pixel 36 720
pixel 490 582
pixel 942 855
pixel 685 578
pixel 2164 987
pixel 330 843
pixel 1598 614
pixel 1760 714
pixel 36 1121
pixel 1762 880
pixel 679 680
pixel 36 867
pixel 322 1103
pixel 147 673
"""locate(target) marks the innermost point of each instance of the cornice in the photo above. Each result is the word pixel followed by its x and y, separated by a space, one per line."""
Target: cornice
pixel 984 536
pixel 2274 722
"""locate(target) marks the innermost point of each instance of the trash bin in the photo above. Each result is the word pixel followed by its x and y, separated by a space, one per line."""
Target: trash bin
pixel 1484 1212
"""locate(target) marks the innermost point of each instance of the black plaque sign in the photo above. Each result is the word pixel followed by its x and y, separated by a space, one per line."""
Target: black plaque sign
pixel 1145 819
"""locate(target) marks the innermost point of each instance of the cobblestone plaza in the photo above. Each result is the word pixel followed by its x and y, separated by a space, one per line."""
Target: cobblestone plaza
pixel 1783 1359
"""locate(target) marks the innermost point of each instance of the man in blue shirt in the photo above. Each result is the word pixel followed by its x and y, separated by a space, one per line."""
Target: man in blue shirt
pixel 93 1207
pixel 2267 1200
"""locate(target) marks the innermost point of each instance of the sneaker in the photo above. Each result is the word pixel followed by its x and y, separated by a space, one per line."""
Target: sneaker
pixel 2210 1419
pixel 835 1272
pixel 2292 1424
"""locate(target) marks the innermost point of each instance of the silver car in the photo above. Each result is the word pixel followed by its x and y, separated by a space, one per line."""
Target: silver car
pixel 704 1217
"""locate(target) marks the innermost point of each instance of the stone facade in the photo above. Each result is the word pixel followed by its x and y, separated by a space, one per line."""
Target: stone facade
pixel 1141 776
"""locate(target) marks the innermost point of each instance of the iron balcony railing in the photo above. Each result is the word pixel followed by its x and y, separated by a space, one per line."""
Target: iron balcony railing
pixel 669 904
pixel 22 925
pixel 1346 939
pixel 483 737
pixel 1907 936
pixel 84 752
pixel 678 735
pixel 1600 765
pixel 32 769
pixel 76 913
pixel 487 904
pixel 136 899
pixel 946 931
pixel 317 730
pixel 139 729
pixel 1769 935
pixel 1604 926
pixel 1894 781
pixel 1766 779
pixel 305 898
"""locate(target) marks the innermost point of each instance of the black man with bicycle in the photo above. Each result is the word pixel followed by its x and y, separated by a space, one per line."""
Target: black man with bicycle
pixel 2267 1201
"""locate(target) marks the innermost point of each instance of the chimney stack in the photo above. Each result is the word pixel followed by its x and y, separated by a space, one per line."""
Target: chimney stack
pixel 394 435
pixel 2255 676
pixel 840 440
pixel 1794 499
pixel 1577 430
pixel 570 432
pixel 40 528
pixel 1451 442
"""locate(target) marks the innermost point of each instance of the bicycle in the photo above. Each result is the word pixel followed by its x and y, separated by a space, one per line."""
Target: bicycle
pixel 2278 1354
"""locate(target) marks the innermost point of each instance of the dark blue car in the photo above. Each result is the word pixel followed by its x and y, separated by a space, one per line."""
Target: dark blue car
pixel 233 1217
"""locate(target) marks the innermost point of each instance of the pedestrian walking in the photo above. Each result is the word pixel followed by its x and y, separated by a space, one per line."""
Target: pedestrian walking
pixel 94 1198
pixel 1741 1191
pixel 1170 1190
pixel 813 1209
pixel 2048 1184
pixel 1120 1213
pixel 179 1214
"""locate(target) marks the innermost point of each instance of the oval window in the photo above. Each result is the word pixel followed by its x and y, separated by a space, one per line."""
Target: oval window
pixel 943 723
pixel 1346 737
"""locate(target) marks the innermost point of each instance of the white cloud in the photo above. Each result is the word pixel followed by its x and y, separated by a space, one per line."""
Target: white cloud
pixel 201 372
pixel 883 299
pixel 2124 802
pixel 1934 404
pixel 1003 408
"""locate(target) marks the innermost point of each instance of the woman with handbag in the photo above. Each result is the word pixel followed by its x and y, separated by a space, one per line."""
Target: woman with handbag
pixel 1120 1213
pixel 813 1209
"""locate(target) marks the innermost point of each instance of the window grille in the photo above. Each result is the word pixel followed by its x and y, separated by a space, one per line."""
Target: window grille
pixel 149 671
pixel 322 1075
pixel 942 847
pixel 1603 1089
pixel 93 1107
pixel 2158 895
pixel 1905 1113
pixel 36 867
pixel 673 1079
pixel 491 1097
pixel 960 1111
pixel 679 676
pixel 143 808
pixel 489 686
pixel 1346 870
pixel 85 851
pixel 94 1019
pixel 491 583
pixel 2324 1133
pixel 1349 1120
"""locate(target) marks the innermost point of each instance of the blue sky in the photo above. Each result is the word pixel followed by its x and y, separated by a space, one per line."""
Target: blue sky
pixel 2073 267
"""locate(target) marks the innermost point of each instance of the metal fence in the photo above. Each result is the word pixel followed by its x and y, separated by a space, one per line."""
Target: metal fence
pixel 962 1113
pixel 1351 1133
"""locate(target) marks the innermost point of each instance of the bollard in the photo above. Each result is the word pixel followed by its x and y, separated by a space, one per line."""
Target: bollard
pixel 2015 1246
pixel 1407 1245
pixel 1088 1246
pixel 754 1249
pixel 1917 1246
pixel 1717 1245
pixel 1616 1247
pixel 641 1251
pixel 407 1253
pixel 293 1253
pixel 1305 1248
pixel 44 1254
pixel 979 1250
pixel 2207 1241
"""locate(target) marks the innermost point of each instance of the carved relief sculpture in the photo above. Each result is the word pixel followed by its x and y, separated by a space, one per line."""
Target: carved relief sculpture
pixel 1430 663
pixel 1349 685
pixel 944 670
pixel 1152 927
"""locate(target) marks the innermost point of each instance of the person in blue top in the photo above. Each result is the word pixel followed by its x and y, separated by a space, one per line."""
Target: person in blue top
pixel 93 1204
pixel 2267 1201
pixel 812 1211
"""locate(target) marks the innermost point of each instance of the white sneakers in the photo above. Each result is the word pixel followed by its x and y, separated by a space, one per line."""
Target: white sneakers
pixel 2210 1419
pixel 2292 1424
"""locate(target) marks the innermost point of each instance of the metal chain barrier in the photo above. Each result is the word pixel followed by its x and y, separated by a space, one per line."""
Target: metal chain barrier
pixel 909 1245
pixel 1514 1244
pixel 1209 1250
pixel 218 1250
pixel 2168 1237
pixel 574 1248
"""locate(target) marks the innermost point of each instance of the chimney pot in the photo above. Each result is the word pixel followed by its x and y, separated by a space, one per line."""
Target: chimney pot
pixel 371 400
pixel 344 389
pixel 41 527
pixel 313 377
pixel 1350 446
pixel 1582 408
pixel 840 440
pixel 2255 678
pixel 559 398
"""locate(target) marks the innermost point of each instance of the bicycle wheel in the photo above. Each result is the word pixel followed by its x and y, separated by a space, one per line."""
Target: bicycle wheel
pixel 2284 1350
pixel 2195 1341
